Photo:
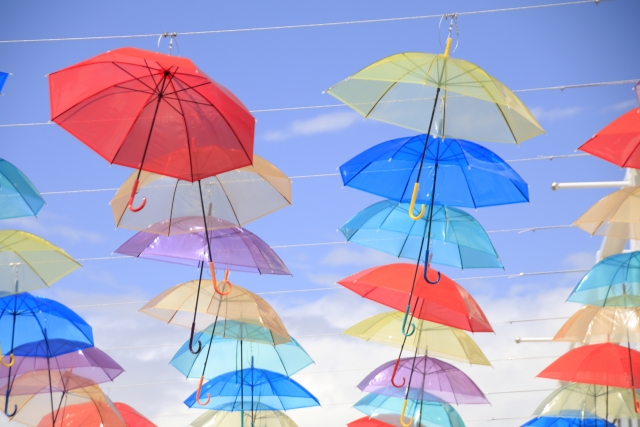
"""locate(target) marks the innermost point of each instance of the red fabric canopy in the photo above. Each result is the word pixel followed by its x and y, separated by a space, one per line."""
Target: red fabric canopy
pixel 153 112
pixel 369 422
pixel 618 142
pixel 446 303
pixel 601 364
pixel 85 414
pixel 132 418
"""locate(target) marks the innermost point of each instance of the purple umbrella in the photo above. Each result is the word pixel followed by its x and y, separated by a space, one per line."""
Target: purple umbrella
pixel 430 375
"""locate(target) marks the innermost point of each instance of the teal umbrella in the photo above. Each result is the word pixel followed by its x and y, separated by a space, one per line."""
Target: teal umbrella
pixel 18 196
pixel 427 412
pixel 613 282
pixel 221 348
pixel 457 238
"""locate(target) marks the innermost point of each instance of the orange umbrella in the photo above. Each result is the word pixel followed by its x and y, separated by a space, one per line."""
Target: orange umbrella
pixel 132 418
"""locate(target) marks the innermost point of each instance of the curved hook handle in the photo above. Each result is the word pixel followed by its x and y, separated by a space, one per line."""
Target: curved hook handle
pixel 134 189
pixel 404 408
pixel 412 206
pixel 193 327
pixel 635 401
pixel 12 360
pixel 426 268
pixel 412 327
pixel 393 376
pixel 15 410
pixel 215 285
pixel 198 394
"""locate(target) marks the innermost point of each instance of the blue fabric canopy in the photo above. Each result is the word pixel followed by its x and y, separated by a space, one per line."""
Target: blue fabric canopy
pixel 18 196
pixel 428 412
pixel 458 240
pixel 568 422
pixel 238 390
pixel 3 78
pixel 40 327
pixel 469 175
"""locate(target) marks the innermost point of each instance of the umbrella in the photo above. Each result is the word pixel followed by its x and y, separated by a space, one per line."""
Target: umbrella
pixel 615 215
pixel 86 403
pixel 587 401
pixel 153 112
pixel 237 197
pixel 592 324
pixel 285 358
pixel 28 262
pixel 614 281
pixel 460 241
pixel 567 422
pixel 262 418
pixel 18 196
pixel 437 378
pixel 131 417
pixel 601 364
pixel 368 422
pixel 429 338
pixel 3 79
pixel 428 412
pixel 618 142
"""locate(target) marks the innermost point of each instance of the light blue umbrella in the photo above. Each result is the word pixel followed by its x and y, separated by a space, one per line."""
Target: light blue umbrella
pixel 427 412
pixel 458 240
pixel 221 348
pixel 613 282
pixel 18 196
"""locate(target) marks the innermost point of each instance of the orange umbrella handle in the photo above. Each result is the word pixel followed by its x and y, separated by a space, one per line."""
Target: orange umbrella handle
pixel 12 360
pixel 215 285
pixel 133 195
pixel 404 408
pixel 393 376
pixel 412 206
pixel 198 394
pixel 636 404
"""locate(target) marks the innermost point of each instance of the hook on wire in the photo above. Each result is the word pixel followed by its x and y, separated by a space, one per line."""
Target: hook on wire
pixel 454 19
pixel 171 37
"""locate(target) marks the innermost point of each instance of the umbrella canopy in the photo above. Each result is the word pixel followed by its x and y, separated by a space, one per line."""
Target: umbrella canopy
pixel 176 304
pixel 468 175
pixel 18 196
pixel 440 379
pixel 401 89
pixel 237 197
pixel 592 324
pixel 458 239
pixel 244 388
pixel 614 281
pixel 616 215
pixel 87 404
pixel 369 422
pixel 618 142
pixel 154 112
pixel 587 401
pixel 286 358
pixel 446 303
pixel 601 364
pixel 3 79
pixel 37 382
pixel 428 413
pixel 266 418
pixel 131 417
pixel 233 248
pixel 567 422
pixel 28 262
pixel 429 338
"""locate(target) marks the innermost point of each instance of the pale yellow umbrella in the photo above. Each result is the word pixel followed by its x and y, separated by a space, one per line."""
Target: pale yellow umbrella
pixel 592 324
pixel 430 338
pixel 260 418
pixel 616 215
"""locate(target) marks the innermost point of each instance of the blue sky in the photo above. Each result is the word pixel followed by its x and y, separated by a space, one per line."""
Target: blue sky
pixel 290 68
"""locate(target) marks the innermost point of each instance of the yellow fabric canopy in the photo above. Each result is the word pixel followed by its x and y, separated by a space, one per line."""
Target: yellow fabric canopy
pixel 232 419
pixel 616 215
pixel 592 324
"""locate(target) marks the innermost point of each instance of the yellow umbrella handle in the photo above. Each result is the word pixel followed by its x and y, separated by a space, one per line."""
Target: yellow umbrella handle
pixel 215 285
pixel 133 195
pixel 198 394
pixel 412 206
pixel 12 360
pixel 404 408
pixel 448 47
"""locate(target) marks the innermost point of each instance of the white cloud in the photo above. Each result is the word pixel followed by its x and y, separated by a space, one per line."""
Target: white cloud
pixel 555 113
pixel 624 105
pixel 357 256
pixel 50 228
pixel 330 122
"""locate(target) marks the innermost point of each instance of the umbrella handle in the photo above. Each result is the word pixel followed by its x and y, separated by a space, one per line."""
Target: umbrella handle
pixel 215 285
pixel 404 322
pixel 635 401
pixel 412 206
pixel 12 360
pixel 404 408
pixel 15 410
pixel 193 327
pixel 198 394
pixel 393 376
pixel 426 268
pixel 134 189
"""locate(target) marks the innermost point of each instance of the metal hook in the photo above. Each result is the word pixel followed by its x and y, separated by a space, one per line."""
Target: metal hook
pixel 193 327
pixel 404 322
pixel 454 17
pixel 426 268
pixel 172 36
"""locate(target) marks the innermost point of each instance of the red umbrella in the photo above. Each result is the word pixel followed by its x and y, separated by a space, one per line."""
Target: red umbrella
pixel 153 112
pixel 601 364
pixel 369 422
pixel 132 418
pixel 446 303
pixel 618 142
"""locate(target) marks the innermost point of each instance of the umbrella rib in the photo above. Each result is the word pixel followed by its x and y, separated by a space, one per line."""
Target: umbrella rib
pixel 186 128
pixel 138 78
pixel 224 191
pixel 188 87
pixel 146 64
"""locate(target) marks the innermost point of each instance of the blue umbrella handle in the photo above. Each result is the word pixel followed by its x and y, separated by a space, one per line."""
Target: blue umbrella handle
pixel 15 410
pixel 404 322
pixel 193 327
pixel 412 206
pixel 426 268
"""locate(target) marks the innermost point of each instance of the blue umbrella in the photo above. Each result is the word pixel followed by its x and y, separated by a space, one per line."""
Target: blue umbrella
pixel 3 78
pixel 18 196
pixel 458 239
pixel 224 342
pixel 614 281
pixel 568 422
